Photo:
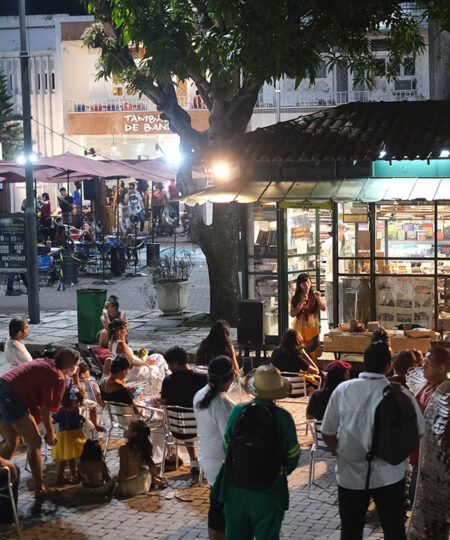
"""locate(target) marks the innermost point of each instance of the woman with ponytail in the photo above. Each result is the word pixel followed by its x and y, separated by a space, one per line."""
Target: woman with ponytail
pixel 212 407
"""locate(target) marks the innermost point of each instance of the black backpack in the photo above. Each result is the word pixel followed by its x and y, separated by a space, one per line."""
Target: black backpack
pixel 395 434
pixel 255 455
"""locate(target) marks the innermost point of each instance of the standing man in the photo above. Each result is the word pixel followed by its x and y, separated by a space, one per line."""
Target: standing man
pixel 347 429
pixel 262 449
pixel 134 199
pixel 28 393
pixel 77 205
pixel 65 203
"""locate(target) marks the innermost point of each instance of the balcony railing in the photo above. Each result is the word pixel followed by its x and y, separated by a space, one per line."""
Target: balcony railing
pixel 268 100
pixel 126 103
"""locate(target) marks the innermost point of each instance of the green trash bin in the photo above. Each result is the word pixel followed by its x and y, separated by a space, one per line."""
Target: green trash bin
pixel 90 304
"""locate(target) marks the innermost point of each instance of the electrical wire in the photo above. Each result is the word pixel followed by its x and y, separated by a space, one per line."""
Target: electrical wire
pixel 101 155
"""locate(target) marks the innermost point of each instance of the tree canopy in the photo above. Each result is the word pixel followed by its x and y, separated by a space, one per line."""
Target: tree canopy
pixel 11 134
pixel 229 49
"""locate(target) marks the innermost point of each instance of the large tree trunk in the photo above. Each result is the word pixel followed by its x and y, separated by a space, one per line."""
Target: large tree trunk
pixel 219 243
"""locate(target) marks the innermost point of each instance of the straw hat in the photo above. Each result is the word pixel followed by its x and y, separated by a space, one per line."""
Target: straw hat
pixel 266 382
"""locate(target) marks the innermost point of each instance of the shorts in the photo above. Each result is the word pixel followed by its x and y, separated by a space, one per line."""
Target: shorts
pixel 12 407
pixel 216 517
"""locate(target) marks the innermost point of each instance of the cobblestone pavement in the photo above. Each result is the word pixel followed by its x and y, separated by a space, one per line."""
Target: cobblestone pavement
pixel 177 512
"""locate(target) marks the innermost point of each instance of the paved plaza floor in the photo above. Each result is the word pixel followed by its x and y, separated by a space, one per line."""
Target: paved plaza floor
pixel 180 510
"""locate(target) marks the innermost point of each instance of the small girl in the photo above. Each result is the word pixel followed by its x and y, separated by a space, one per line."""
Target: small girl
pixel 137 469
pixel 70 438
pixel 92 470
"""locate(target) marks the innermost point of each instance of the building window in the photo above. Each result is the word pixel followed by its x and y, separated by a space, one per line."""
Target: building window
pixel 380 44
pixel 53 82
pixel 38 83
pixel 321 72
pixel 117 91
pixel 46 81
pixel 409 67
pixel 10 83
pixel 379 66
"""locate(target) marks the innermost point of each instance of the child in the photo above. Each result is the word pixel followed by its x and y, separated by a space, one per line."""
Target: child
pixel 70 437
pixel 82 380
pixel 92 470
pixel 137 469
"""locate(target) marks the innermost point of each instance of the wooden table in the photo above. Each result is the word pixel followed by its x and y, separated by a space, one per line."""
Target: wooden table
pixel 339 342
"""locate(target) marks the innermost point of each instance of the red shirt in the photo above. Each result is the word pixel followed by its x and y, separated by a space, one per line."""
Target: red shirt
pixel 173 190
pixel 46 210
pixel 38 383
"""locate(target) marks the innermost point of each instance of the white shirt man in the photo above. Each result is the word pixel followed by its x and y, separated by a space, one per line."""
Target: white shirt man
pixel 347 429
pixel 15 351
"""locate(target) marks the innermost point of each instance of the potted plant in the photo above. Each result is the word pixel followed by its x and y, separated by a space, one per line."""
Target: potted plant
pixel 170 278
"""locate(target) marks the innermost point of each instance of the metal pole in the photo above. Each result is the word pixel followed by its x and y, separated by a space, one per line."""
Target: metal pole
pixel 278 100
pixel 30 211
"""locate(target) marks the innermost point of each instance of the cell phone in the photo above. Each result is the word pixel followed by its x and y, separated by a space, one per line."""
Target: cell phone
pixel 138 391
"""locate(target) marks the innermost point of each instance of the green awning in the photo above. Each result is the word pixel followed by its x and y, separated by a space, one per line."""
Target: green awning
pixel 352 189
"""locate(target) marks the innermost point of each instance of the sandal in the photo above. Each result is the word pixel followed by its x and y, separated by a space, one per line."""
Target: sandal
pixel 41 494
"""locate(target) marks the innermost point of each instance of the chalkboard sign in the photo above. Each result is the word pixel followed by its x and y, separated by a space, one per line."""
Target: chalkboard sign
pixel 12 243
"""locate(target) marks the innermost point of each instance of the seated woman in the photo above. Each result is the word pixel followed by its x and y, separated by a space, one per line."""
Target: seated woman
pixel 137 469
pixel 291 357
pixel 217 343
pixel 114 388
pixel 337 372
pixel 93 472
pixel 109 314
pixel 144 373
pixel 87 234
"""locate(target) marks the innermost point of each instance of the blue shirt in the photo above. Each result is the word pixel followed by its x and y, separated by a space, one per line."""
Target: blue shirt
pixel 76 196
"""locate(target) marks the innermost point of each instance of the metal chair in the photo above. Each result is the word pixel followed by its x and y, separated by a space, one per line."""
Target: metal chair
pixel 121 415
pixel 180 422
pixel 318 444
pixel 10 495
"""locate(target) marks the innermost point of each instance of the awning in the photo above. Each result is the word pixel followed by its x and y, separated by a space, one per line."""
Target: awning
pixel 342 190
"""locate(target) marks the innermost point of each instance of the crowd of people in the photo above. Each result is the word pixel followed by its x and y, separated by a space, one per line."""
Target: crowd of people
pixel 247 449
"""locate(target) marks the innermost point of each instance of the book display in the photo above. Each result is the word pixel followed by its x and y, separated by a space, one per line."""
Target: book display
pixel 262 263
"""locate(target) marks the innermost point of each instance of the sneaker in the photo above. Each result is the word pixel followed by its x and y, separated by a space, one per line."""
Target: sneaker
pixel 12 292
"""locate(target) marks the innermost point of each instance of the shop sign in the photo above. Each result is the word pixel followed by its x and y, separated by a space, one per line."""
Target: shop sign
pixel 144 123
pixel 12 243
pixel 326 205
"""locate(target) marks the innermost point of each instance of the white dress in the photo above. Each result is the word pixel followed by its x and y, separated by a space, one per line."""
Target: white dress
pixel 149 377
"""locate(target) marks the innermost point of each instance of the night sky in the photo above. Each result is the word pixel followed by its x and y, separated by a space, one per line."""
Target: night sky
pixel 42 7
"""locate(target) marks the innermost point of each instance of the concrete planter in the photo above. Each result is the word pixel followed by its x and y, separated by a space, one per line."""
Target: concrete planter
pixel 172 296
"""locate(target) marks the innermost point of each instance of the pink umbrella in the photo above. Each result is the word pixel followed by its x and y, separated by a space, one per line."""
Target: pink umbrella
pixel 70 163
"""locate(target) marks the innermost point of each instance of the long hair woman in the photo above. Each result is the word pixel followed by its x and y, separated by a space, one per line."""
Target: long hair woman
pixel 217 343
pixel 212 407
pixel 305 306
pixel 337 372
pixel 290 355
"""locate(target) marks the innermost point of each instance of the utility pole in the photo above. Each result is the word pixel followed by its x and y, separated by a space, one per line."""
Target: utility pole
pixel 30 211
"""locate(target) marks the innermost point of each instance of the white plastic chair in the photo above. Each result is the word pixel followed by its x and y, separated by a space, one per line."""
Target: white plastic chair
pixel 10 495
pixel 318 444
pixel 121 415
pixel 180 421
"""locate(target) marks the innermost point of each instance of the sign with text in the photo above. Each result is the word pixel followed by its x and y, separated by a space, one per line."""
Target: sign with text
pixel 144 123
pixel 12 243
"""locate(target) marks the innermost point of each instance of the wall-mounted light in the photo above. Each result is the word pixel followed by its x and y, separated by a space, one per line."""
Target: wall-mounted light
pixel 221 170
pixel 382 154
pixel 445 153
